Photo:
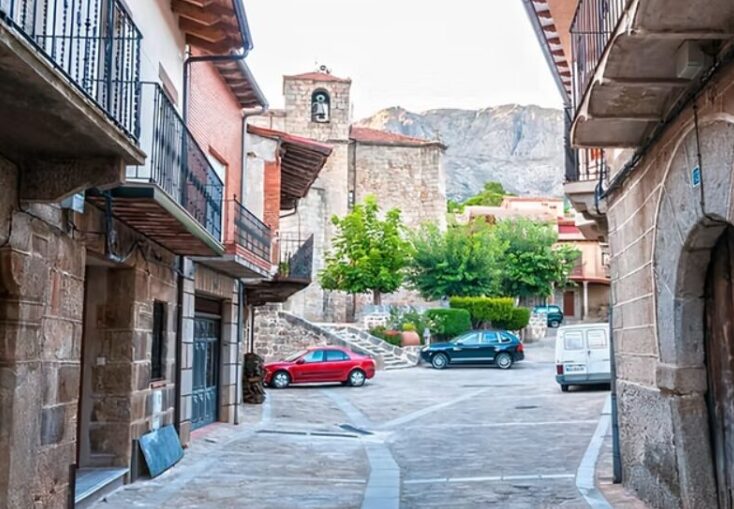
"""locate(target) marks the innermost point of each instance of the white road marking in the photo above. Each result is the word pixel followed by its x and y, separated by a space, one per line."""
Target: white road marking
pixel 497 478
pixel 503 424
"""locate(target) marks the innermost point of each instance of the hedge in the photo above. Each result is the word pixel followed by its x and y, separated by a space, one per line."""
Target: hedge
pixel 497 312
pixel 448 323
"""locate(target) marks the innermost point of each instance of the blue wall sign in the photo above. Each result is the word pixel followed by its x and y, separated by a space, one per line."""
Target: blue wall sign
pixel 696 176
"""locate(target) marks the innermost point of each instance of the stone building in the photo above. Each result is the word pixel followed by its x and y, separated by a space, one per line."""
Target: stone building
pixel 400 171
pixel 650 92
pixel 129 259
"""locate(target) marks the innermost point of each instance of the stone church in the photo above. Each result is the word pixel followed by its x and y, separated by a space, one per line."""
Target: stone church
pixel 401 171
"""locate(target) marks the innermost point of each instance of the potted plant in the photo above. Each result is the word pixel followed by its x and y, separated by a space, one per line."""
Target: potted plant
pixel 410 336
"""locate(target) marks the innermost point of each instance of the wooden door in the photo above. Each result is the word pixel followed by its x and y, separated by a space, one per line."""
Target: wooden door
pixel 719 345
pixel 569 303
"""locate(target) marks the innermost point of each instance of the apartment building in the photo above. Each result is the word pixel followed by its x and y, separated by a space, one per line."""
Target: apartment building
pixel 650 93
pixel 128 249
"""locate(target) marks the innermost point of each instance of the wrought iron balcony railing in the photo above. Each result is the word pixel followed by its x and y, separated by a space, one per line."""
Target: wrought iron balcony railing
pixel 94 43
pixel 593 25
pixel 177 164
pixel 296 258
pixel 588 165
pixel 249 231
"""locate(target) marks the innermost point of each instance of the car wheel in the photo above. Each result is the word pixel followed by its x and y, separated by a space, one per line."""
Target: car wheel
pixel 554 324
pixel 564 387
pixel 357 378
pixel 280 380
pixel 439 361
pixel 503 360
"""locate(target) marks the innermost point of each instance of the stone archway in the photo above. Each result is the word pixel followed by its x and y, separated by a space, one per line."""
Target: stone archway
pixel 685 235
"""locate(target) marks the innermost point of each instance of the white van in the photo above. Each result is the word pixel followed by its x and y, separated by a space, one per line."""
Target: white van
pixel 582 355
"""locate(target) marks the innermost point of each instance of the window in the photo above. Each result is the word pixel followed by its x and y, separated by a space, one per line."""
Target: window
pixel 489 337
pixel 596 339
pixel 314 356
pixel 573 341
pixel 469 339
pixel 506 337
pixel 336 355
pixel 158 345
pixel 320 107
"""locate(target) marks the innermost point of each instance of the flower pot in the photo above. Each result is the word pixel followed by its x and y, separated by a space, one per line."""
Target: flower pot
pixel 410 338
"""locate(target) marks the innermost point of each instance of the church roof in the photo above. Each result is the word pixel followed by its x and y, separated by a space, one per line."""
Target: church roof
pixel 377 137
pixel 317 76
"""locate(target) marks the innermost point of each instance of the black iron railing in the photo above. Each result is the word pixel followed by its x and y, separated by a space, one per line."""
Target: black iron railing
pixel 177 164
pixel 249 231
pixel 93 42
pixel 590 165
pixel 296 258
pixel 593 26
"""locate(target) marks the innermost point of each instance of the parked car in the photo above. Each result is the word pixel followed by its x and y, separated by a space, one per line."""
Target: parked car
pixel 499 347
pixel 582 355
pixel 553 312
pixel 320 364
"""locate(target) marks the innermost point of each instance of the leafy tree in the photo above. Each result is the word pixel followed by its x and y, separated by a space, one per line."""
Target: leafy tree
pixel 464 260
pixel 533 262
pixel 491 196
pixel 369 254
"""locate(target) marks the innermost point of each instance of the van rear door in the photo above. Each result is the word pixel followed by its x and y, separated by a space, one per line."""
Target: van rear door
pixel 574 353
pixel 598 352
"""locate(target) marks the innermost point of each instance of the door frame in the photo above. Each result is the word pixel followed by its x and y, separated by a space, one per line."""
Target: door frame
pixel 199 314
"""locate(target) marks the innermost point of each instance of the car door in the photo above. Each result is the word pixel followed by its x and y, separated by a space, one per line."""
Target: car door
pixel 488 346
pixel 336 366
pixel 574 353
pixel 311 369
pixel 598 355
pixel 465 347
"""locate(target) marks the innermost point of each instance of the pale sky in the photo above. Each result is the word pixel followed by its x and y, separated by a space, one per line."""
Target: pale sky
pixel 419 54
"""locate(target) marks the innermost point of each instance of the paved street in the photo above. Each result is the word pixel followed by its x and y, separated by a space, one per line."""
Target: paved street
pixel 458 438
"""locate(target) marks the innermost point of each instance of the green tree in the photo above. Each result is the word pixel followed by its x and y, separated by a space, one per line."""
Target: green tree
pixel 462 261
pixel 369 254
pixel 533 262
pixel 491 196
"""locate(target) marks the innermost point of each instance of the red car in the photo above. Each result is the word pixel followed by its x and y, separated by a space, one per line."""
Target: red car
pixel 320 364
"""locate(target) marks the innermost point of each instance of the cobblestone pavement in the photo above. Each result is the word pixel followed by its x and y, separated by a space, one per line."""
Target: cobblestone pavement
pixel 457 438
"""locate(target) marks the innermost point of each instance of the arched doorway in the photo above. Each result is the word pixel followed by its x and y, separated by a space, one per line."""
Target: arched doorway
pixel 719 348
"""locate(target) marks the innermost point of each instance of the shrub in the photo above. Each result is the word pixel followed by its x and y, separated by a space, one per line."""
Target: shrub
pixel 486 311
pixel 520 319
pixel 400 317
pixel 388 335
pixel 448 323
pixel 409 327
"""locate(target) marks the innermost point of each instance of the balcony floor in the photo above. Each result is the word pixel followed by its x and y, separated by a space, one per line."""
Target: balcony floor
pixel 45 115
pixel 277 290
pixel 150 211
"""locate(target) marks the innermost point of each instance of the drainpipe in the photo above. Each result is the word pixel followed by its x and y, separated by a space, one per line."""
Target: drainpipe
pixel 616 454
pixel 179 346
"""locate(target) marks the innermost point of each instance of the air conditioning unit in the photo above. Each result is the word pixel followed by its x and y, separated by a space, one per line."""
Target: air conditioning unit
pixel 690 60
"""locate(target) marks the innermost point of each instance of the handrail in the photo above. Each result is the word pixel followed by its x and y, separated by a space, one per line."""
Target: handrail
pixel 296 257
pixel 250 232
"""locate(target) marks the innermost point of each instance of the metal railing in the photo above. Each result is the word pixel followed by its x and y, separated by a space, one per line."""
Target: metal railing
pixel 296 257
pixel 593 25
pixel 590 165
pixel 249 231
pixel 178 165
pixel 93 42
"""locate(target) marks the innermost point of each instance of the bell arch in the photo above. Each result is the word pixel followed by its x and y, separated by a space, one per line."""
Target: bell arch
pixel 321 106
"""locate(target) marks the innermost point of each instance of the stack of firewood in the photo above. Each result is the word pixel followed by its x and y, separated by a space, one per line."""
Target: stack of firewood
pixel 253 387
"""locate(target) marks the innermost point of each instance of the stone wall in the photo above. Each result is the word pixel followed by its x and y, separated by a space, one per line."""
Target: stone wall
pixel 276 337
pixel 660 246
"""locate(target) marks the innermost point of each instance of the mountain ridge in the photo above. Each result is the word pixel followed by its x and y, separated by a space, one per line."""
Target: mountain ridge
pixel 520 146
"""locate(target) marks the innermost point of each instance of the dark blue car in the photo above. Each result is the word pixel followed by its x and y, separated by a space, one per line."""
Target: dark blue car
pixel 498 347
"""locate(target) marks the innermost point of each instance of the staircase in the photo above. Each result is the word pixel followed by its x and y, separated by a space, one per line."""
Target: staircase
pixel 393 357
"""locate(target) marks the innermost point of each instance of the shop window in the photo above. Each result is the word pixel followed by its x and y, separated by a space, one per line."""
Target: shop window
pixel 158 344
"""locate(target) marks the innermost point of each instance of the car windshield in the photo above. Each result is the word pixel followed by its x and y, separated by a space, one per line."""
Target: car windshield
pixel 295 356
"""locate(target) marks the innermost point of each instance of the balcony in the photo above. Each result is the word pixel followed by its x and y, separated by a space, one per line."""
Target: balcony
pixel 295 272
pixel 247 245
pixel 69 92
pixel 586 176
pixel 175 199
pixel 634 60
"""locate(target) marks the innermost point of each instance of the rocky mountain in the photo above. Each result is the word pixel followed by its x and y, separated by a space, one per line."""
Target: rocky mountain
pixel 519 146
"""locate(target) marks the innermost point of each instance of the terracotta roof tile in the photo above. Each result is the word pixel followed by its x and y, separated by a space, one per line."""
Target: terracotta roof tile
pixel 374 136
pixel 317 76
